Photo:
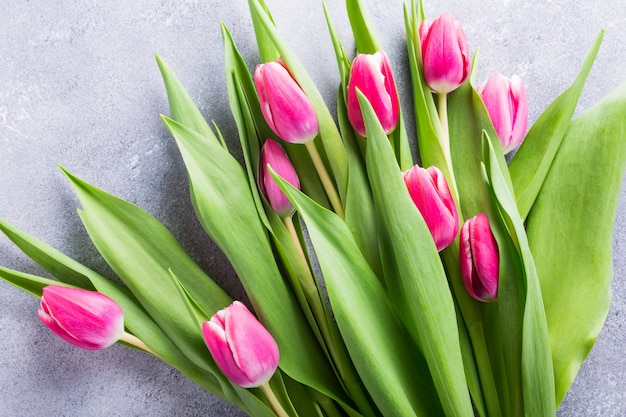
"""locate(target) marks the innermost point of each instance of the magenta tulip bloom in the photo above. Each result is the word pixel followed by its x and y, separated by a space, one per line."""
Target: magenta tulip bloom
pixel 480 260
pixel 372 75
pixel 273 155
pixel 430 193
pixel 243 349
pixel 507 104
pixel 87 319
pixel 445 55
pixel 285 107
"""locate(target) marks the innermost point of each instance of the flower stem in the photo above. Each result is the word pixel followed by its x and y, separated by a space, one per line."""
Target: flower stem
pixel 444 142
pixel 329 187
pixel 135 341
pixel 271 398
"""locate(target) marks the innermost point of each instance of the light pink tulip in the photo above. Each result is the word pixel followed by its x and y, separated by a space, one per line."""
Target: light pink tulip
pixel 430 193
pixel 371 74
pixel 87 319
pixel 480 260
pixel 243 349
pixel 445 55
pixel 285 107
pixel 507 104
pixel 273 155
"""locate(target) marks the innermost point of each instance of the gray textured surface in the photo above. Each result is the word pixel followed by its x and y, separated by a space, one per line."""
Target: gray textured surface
pixel 79 86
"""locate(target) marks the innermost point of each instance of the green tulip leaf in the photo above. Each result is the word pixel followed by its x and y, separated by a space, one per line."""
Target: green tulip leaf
pixel 537 377
pixel 32 284
pixel 531 163
pixel 570 230
pixel 141 251
pixel 390 364
pixel 223 201
pixel 362 27
pixel 414 274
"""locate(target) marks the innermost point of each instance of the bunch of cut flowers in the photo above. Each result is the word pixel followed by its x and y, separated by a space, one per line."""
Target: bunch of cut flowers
pixel 469 283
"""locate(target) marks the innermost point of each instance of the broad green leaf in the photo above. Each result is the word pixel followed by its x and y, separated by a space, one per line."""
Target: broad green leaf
pixel 224 204
pixel 570 230
pixel 531 163
pixel 390 364
pixel 414 274
pixel 32 284
pixel 267 50
pixel 468 118
pixel 537 374
pixel 329 142
pixel 362 27
pixel 182 107
pixel 141 251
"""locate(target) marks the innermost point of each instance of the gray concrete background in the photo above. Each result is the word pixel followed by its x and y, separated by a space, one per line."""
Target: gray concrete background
pixel 79 86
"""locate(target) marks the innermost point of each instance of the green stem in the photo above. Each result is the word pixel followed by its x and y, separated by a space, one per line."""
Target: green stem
pixel 444 142
pixel 274 403
pixel 135 341
pixel 329 187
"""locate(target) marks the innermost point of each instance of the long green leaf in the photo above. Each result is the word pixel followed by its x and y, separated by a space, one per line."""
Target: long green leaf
pixel 362 27
pixel 224 205
pixel 413 270
pixel 392 368
pixel 570 230
pixel 531 163
pixel 536 359
pixel 32 284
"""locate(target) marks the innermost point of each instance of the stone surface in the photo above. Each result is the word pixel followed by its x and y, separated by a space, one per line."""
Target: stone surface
pixel 79 87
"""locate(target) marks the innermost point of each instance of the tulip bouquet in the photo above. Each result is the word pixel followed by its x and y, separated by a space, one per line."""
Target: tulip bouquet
pixel 467 284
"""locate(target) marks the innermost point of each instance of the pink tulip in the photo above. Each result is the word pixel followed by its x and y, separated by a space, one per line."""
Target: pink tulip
pixel 285 107
pixel 507 104
pixel 273 155
pixel 87 319
pixel 372 75
pixel 445 55
pixel 243 349
pixel 430 193
pixel 480 260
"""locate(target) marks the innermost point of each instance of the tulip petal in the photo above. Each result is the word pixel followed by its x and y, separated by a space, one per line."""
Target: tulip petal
pixel 217 343
pixel 285 107
pixel 253 348
pixel 86 319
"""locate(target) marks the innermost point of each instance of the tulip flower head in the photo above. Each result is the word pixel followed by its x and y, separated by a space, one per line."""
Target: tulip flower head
pixel 507 104
pixel 285 107
pixel 273 155
pixel 430 192
pixel 243 349
pixel 480 260
pixel 371 74
pixel 445 55
pixel 87 319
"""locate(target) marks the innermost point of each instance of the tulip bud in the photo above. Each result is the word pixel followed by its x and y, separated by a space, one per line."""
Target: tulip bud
pixel 507 105
pixel 372 75
pixel 445 55
pixel 430 193
pixel 480 260
pixel 285 107
pixel 87 319
pixel 243 349
pixel 273 155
